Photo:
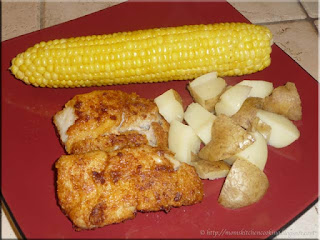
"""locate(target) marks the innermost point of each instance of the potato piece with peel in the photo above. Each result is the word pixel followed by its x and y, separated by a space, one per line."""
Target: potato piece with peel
pixel 245 184
pixel 259 89
pixel 259 126
pixel 183 141
pixel 207 89
pixel 285 100
pixel 210 170
pixel 256 153
pixel 232 99
pixel 227 139
pixel 170 105
pixel 283 131
pixel 248 111
pixel 200 120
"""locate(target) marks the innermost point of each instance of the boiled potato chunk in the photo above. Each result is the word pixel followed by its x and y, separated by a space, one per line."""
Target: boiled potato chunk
pixel 211 170
pixel 232 99
pixel 258 126
pixel 245 184
pixel 200 120
pixel 259 89
pixel 247 113
pixel 206 90
pixel 170 105
pixel 227 139
pixel 183 141
pixel 283 131
pixel 285 100
pixel 256 153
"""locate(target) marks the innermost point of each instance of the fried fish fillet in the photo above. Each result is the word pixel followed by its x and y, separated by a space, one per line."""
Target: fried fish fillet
pixel 100 188
pixel 109 120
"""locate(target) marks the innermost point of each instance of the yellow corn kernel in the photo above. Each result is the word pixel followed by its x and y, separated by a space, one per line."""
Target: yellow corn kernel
pixel 154 55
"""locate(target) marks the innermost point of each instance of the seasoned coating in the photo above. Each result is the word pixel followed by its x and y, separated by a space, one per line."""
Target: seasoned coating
pixel 105 115
pixel 109 142
pixel 284 100
pixel 228 138
pixel 248 111
pixel 100 188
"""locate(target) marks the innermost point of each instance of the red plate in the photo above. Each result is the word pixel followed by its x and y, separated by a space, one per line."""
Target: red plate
pixel 30 146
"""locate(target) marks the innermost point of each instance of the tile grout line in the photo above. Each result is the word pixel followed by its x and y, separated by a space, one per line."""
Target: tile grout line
pixel 41 14
pixel 309 19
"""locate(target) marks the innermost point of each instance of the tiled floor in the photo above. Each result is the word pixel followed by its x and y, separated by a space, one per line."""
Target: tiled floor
pixel 294 25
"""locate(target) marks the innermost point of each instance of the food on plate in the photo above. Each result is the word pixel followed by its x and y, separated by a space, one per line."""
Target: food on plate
pixel 259 89
pixel 109 120
pixel 285 100
pixel 245 184
pixel 100 188
pixel 227 139
pixel 152 55
pixel 183 141
pixel 207 89
pixel 232 99
pixel 170 105
pixel 256 153
pixel 259 126
pixel 247 113
pixel 110 142
pixel 283 131
pixel 210 170
pixel 200 120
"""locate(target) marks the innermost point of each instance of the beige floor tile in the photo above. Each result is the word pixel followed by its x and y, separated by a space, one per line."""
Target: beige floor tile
pixel 299 39
pixel 269 11
pixel 306 228
pixel 7 232
pixel 311 6
pixel 19 18
pixel 55 12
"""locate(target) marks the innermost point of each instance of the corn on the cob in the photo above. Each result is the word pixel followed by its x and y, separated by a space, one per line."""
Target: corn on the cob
pixel 163 54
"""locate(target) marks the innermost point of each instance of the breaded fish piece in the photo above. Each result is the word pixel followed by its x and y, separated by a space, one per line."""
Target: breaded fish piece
pixel 110 120
pixel 100 188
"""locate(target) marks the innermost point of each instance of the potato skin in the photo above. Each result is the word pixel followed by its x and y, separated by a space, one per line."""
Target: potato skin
pixel 245 184
pixel 285 100
pixel 245 116
pixel 210 170
pixel 228 138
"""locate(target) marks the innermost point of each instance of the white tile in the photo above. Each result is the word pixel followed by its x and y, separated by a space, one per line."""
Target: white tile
pixel 299 39
pixel 306 227
pixel 311 7
pixel 6 229
pixel 269 11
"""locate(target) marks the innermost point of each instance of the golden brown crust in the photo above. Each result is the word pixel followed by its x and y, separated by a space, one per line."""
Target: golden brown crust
pixel 110 112
pixel 100 188
pixel 227 139
pixel 285 100
pixel 109 142
pixel 161 133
